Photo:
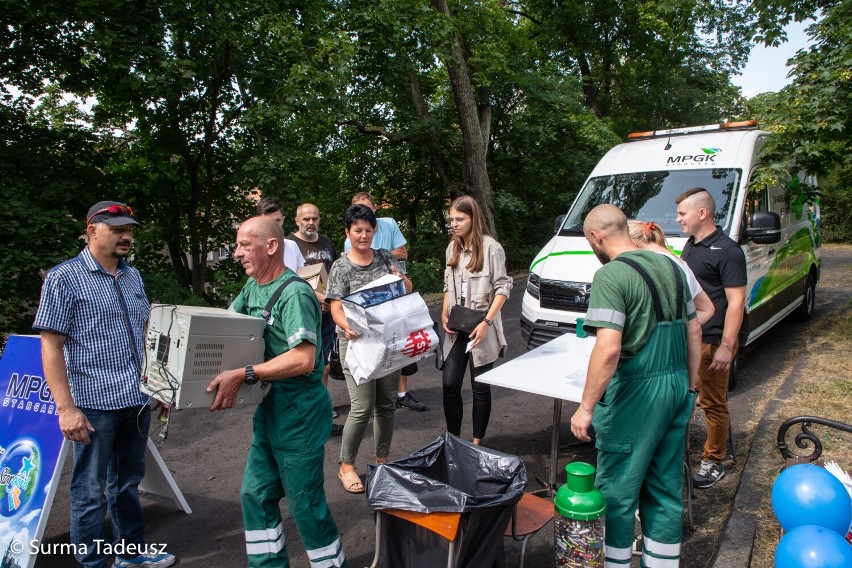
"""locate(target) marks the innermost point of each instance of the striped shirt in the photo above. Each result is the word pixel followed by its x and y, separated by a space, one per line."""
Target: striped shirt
pixel 103 319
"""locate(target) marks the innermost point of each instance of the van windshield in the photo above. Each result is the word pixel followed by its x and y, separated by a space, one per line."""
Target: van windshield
pixel 650 196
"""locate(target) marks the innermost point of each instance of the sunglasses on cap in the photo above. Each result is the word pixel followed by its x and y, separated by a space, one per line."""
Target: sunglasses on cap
pixel 114 210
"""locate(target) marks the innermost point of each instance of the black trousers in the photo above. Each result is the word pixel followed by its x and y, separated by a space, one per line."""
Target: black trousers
pixel 454 369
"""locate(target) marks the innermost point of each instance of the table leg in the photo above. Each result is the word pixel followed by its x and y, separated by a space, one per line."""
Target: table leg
pixel 554 443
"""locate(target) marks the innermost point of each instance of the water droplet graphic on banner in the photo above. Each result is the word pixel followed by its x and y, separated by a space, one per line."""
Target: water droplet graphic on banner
pixel 19 470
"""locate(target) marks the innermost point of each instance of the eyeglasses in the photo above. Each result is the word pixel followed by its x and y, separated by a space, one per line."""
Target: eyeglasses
pixel 114 210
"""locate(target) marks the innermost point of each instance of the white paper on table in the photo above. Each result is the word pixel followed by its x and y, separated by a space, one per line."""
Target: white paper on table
pixel 575 378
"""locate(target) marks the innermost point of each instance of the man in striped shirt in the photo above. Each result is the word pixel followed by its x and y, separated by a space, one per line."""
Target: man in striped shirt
pixel 92 317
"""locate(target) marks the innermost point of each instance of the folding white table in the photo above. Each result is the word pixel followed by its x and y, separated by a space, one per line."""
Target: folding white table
pixel 556 369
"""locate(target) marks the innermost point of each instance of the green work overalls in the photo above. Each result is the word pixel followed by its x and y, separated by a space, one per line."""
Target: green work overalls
pixel 286 458
pixel 640 425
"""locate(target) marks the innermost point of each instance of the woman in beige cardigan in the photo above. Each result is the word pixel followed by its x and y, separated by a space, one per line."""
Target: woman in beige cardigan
pixel 474 277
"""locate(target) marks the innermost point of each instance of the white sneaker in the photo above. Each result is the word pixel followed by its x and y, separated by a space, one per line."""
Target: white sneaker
pixel 156 560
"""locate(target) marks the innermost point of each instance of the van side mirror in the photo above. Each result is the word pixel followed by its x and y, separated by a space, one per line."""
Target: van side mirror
pixel 765 228
pixel 558 223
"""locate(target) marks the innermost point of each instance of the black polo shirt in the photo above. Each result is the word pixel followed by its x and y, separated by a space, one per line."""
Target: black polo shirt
pixel 718 263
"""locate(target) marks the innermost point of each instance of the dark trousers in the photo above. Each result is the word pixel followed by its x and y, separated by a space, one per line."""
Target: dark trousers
pixel 454 368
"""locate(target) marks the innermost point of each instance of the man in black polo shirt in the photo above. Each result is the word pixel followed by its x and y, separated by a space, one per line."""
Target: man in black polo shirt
pixel 719 265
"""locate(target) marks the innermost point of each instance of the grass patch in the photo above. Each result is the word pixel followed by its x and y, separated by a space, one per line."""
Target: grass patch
pixel 825 390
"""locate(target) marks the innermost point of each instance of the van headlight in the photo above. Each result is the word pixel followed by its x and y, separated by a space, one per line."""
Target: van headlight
pixel 534 285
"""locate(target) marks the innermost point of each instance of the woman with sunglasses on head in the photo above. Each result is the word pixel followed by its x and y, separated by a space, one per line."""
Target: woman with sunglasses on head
pixel 359 266
pixel 474 277
pixel 649 236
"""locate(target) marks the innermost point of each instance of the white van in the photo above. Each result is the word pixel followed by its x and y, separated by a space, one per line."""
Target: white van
pixel 778 231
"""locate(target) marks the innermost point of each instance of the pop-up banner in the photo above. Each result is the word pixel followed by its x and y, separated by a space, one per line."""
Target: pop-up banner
pixel 31 451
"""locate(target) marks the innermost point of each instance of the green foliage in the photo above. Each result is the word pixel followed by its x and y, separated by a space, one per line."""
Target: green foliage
pixel 164 290
pixel 810 118
pixel 427 275
pixel 651 64
pixel 50 174
pixel 836 207
pixel 193 110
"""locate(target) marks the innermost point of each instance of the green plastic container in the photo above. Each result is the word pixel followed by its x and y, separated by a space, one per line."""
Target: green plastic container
pixel 580 519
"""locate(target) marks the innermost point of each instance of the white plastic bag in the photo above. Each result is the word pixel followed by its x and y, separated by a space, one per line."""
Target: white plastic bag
pixel 393 334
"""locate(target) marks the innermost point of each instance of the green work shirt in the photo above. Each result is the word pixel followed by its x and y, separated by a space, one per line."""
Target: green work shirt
pixel 294 318
pixel 620 299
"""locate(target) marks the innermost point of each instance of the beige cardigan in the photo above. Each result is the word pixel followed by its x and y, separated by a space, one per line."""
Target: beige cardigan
pixel 481 288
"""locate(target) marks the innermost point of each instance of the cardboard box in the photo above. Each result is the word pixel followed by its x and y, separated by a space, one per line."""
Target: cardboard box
pixel 316 276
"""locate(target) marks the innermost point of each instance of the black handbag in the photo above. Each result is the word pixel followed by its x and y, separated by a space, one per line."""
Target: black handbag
pixel 462 319
pixel 335 365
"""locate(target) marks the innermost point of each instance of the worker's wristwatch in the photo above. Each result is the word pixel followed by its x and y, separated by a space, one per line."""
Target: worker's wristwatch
pixel 488 321
pixel 250 379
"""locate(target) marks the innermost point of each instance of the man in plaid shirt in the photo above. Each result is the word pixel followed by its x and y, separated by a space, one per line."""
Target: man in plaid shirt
pixel 92 318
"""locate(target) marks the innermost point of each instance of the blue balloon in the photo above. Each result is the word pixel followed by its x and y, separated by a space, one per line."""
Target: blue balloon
pixel 805 494
pixel 813 547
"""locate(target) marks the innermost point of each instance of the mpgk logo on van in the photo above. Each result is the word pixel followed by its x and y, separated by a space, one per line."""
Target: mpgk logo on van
pixel 708 156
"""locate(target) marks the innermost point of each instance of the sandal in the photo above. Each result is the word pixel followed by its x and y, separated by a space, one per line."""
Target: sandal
pixel 351 482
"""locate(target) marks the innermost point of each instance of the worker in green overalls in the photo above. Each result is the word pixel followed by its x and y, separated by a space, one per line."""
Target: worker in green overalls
pixel 640 389
pixel 293 422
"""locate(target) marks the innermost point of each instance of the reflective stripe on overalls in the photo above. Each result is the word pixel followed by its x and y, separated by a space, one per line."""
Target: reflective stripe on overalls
pixel 640 425
pixel 286 459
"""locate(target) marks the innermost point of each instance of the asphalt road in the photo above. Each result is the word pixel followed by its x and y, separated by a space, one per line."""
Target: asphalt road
pixel 206 453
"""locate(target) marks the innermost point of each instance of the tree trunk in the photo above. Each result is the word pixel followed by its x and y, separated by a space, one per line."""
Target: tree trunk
pixel 588 85
pixel 431 140
pixel 476 182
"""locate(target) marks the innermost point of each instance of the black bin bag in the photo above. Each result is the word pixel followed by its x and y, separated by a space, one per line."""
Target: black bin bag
pixel 453 476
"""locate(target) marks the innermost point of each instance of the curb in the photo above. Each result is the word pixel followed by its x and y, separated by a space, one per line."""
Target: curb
pixel 738 536
pixel 735 548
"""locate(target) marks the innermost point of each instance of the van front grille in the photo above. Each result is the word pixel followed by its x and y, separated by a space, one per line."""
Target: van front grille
pixel 565 296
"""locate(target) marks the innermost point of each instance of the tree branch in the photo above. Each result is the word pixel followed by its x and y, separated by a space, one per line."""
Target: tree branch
pixel 379 131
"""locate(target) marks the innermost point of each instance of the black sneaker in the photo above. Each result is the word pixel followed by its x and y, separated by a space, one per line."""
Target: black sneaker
pixel 709 472
pixel 336 429
pixel 409 402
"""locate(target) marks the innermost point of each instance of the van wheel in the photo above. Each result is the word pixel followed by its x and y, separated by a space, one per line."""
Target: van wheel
pixel 732 372
pixel 806 310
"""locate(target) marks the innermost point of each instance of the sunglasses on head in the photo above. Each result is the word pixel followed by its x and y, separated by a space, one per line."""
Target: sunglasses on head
pixel 114 210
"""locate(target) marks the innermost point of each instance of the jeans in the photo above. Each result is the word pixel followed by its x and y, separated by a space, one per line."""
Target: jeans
pixel 107 472
pixel 453 377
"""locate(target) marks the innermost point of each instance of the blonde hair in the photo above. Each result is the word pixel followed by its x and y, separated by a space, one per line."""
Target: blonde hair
pixel 646 232
pixel 478 229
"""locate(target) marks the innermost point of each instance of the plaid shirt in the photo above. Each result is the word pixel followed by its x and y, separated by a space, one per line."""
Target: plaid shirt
pixel 103 319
